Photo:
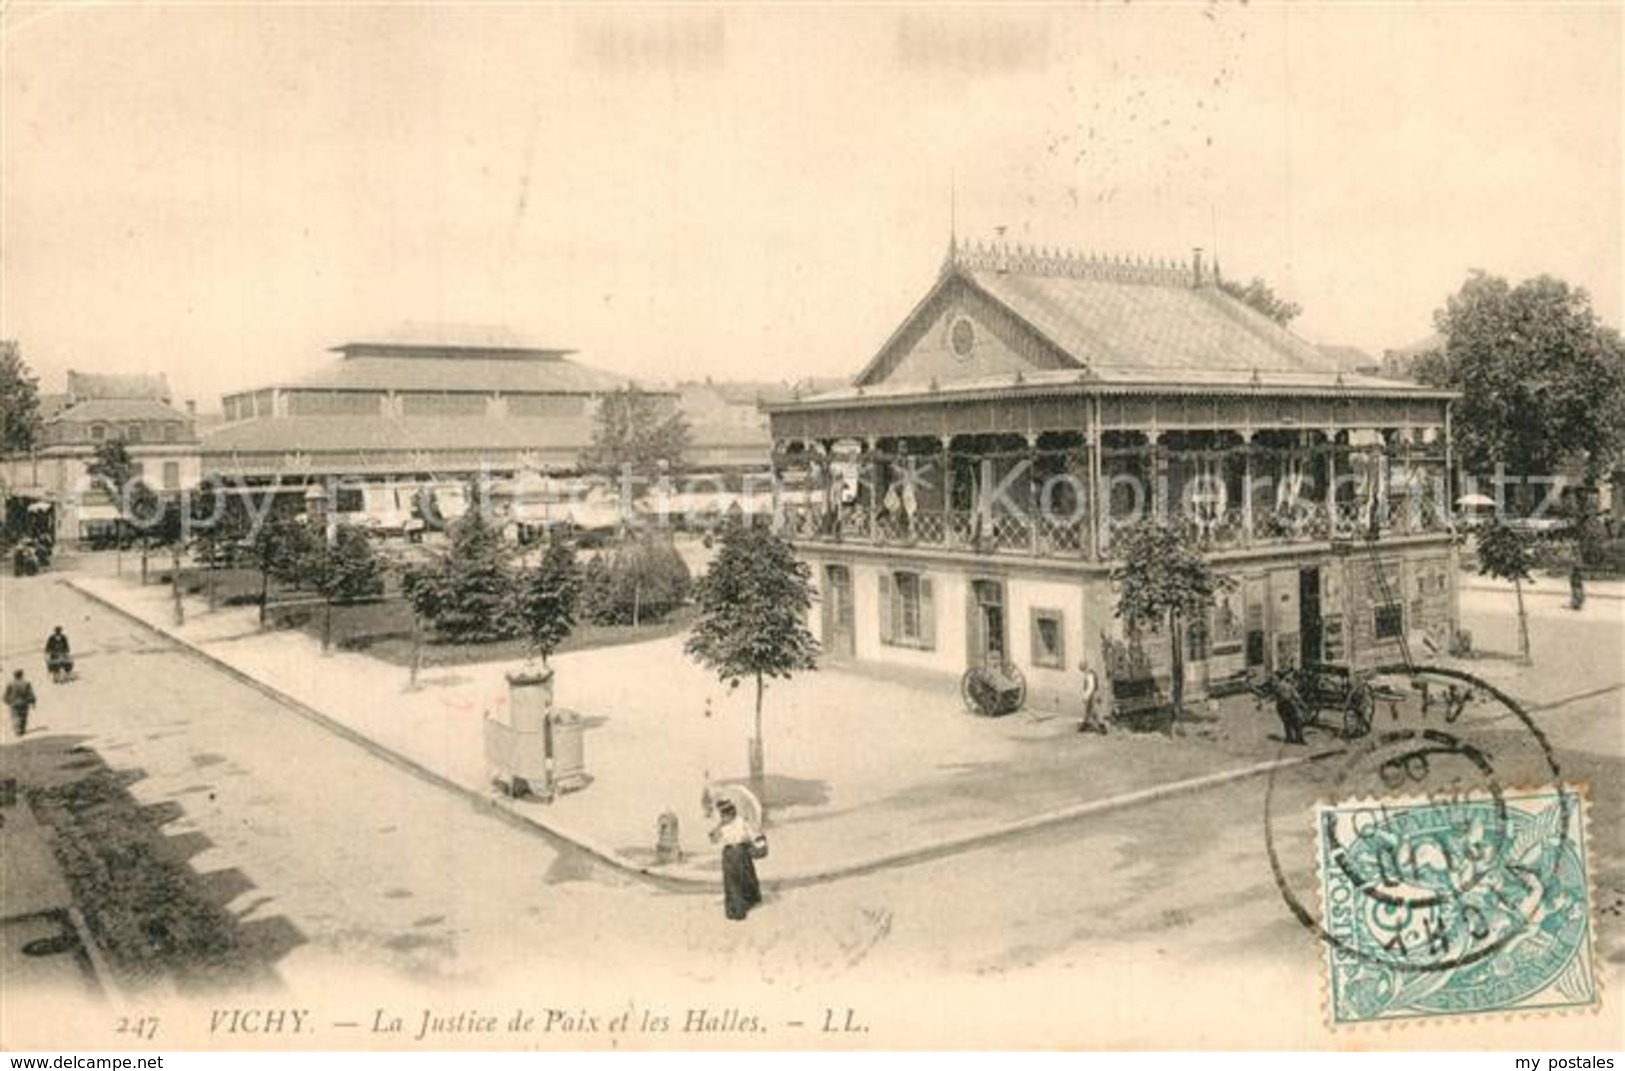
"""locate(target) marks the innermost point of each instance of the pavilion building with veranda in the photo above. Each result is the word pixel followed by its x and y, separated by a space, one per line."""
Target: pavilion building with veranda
pixel 959 500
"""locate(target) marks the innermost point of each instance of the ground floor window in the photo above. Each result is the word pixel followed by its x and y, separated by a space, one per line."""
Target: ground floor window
pixel 907 610
pixel 1049 639
pixel 1389 620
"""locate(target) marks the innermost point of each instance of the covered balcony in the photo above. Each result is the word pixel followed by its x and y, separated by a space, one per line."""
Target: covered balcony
pixel 1061 492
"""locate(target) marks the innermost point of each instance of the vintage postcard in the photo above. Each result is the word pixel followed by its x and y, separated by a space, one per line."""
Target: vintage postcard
pixel 554 527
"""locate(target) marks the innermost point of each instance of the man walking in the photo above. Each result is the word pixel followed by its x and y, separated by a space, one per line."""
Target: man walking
pixel 1288 707
pixel 20 700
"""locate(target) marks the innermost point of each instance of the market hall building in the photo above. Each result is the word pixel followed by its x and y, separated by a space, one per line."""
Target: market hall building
pixel 961 496
pixel 436 408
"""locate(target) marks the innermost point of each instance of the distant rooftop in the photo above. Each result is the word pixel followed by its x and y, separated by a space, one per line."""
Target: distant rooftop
pixel 449 341
pixel 84 386
pixel 450 358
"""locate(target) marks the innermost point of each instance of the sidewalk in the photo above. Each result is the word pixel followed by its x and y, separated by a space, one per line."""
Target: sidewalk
pixel 43 938
pixel 863 771
pixel 1557 586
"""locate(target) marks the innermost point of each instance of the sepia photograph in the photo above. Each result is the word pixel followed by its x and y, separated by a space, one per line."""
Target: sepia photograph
pixel 812 527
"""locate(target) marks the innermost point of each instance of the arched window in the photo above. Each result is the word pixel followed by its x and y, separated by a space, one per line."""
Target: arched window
pixel 98 432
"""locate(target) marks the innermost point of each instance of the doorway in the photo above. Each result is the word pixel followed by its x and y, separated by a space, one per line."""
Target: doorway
pixel 1311 626
pixel 839 618
pixel 985 630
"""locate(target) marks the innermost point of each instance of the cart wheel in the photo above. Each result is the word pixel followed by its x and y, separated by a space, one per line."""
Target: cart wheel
pixel 968 690
pixel 1018 698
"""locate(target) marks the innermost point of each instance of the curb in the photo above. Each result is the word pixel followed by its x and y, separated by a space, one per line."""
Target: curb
pixel 1532 591
pixel 691 882
pixel 484 803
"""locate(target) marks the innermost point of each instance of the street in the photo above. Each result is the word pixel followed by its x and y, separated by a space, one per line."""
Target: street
pixel 316 870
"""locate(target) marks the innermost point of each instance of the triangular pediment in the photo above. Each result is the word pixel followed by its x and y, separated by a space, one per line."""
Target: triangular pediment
pixel 960 331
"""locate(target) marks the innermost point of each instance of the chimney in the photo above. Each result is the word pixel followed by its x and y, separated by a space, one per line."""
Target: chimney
pixel 191 407
pixel 1196 267
pixel 1003 253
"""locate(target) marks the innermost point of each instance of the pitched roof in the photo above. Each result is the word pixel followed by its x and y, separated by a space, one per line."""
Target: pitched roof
pixel 417 334
pixel 319 434
pixel 116 409
pixel 554 375
pixel 1128 318
pixel 86 385
pixel 444 371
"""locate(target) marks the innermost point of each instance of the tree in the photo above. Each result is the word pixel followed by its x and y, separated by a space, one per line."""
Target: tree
pixel 1508 553
pixel 545 606
pixel 283 547
pixel 467 590
pixel 219 524
pixel 1542 380
pixel 635 430
pixel 112 467
pixel 1261 297
pixel 1163 579
pixel 753 604
pixel 642 579
pixel 344 570
pixel 19 401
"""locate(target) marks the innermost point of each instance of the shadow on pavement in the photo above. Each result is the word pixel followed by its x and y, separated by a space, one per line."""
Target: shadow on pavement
pixel 154 918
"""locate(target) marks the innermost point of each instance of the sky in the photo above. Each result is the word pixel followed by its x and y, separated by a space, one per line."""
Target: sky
pixel 222 192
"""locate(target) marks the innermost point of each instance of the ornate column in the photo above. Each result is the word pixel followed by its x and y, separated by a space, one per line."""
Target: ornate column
pixel 1097 482
pixel 1089 541
pixel 1247 486
pixel 1159 477
pixel 871 448
pixel 1032 493
pixel 947 491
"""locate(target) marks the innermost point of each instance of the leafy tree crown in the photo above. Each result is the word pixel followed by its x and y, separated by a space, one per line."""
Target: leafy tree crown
pixel 19 401
pixel 637 430
pixel 1505 553
pixel 1162 573
pixel 547 599
pixel 753 606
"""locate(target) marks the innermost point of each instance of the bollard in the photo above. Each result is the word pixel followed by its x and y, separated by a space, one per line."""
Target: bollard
pixel 668 846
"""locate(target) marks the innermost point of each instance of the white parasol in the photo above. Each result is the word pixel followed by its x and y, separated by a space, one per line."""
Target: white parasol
pixel 743 799
pixel 1475 500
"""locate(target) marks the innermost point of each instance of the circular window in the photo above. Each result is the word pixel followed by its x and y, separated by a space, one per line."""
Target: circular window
pixel 962 337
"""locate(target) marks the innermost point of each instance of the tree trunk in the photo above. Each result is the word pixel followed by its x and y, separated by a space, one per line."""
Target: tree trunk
pixel 214 603
pixel 1177 673
pixel 143 563
pixel 758 762
pixel 417 651
pixel 327 625
pixel 175 583
pixel 265 593
pixel 1523 626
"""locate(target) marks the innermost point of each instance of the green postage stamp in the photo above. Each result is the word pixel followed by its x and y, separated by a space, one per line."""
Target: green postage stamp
pixel 1460 905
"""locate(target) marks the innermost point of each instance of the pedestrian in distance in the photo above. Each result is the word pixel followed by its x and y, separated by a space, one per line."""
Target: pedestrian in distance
pixel 1092 722
pixel 741 844
pixel 1577 588
pixel 1288 707
pixel 20 700
pixel 58 656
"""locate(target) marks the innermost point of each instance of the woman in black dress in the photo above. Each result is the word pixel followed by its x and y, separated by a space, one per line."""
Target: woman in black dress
pixel 741 891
